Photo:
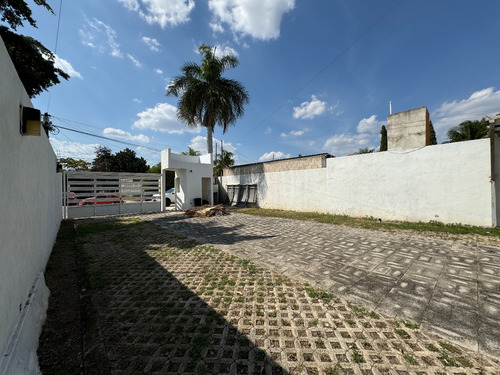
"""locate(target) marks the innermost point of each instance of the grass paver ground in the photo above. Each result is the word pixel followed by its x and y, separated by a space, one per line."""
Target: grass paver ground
pixel 165 304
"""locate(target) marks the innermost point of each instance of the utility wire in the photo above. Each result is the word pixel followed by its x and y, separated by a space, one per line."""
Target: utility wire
pixel 55 48
pixel 107 138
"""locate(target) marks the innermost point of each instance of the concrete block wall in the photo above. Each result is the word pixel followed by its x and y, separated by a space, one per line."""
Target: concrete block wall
pixel 409 129
pixel 292 164
pixel 30 202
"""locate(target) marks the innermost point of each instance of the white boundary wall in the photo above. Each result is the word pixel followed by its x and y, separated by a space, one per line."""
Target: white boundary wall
pixel 30 203
pixel 448 183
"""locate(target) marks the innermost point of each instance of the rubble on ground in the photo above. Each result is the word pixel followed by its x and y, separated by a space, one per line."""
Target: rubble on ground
pixel 206 211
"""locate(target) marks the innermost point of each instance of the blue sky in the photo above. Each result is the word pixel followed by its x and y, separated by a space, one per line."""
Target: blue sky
pixel 320 74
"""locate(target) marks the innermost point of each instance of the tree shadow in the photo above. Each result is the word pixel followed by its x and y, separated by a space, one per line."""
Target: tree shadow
pixel 167 306
pixel 206 230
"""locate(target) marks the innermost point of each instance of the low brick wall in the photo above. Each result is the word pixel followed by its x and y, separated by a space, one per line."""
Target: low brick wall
pixel 282 165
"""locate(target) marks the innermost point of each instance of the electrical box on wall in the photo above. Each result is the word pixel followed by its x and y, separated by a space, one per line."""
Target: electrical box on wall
pixel 31 123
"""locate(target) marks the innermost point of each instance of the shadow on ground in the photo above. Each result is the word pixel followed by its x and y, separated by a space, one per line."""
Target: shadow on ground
pixel 145 319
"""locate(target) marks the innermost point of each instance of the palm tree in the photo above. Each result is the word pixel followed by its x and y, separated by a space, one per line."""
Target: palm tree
pixel 468 130
pixel 191 152
pixel 207 98
pixel 224 160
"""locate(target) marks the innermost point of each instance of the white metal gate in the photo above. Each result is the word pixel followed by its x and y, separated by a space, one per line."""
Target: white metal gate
pixel 87 194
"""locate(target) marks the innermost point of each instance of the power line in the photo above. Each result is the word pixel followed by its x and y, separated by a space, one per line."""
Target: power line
pixel 55 48
pixel 107 138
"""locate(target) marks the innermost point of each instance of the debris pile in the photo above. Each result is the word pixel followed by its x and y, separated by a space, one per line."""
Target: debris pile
pixel 206 211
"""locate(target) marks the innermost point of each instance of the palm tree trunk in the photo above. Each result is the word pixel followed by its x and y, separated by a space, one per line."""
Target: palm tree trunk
pixel 209 139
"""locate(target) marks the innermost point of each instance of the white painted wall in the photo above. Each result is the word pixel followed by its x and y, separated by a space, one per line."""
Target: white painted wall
pixel 189 172
pixel 30 203
pixel 448 183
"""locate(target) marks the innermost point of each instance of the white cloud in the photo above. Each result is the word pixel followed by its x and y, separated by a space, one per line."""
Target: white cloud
pixel 274 155
pixel 294 133
pixel 268 130
pixel 136 100
pixel 309 110
pixel 130 4
pixel 66 67
pixel 161 12
pixel 367 135
pixel 98 35
pixel 122 134
pixel 159 71
pixel 479 104
pixel 221 50
pixel 216 27
pixel 369 125
pixel 134 60
pixel 343 144
pixel 152 43
pixel 163 117
pixel 75 150
pixel 259 19
pixel 199 143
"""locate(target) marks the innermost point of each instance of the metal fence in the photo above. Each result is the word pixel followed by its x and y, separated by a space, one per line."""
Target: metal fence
pixel 87 194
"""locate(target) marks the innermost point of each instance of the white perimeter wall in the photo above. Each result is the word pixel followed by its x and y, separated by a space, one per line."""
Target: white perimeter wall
pixel 30 206
pixel 448 183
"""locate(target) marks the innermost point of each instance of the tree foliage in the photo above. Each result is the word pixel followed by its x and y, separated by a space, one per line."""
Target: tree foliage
pixel 71 164
pixel 469 130
pixel 433 140
pixel 223 160
pixel 191 152
pixel 127 161
pixel 103 161
pixel 206 97
pixel 155 168
pixel 383 139
pixel 15 12
pixel 123 161
pixel 33 61
pixel 169 175
pixel 364 150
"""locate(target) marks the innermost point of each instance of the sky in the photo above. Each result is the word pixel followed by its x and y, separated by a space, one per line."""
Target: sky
pixel 320 74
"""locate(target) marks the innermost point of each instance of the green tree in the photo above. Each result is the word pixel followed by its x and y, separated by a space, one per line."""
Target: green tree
pixel 364 150
pixel 191 152
pixel 207 98
pixel 104 160
pixel 127 161
pixel 71 164
pixel 169 175
pixel 433 140
pixel 223 160
pixel 155 168
pixel 469 130
pixel 33 61
pixel 383 138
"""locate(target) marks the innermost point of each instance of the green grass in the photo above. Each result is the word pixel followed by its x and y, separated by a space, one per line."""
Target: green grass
pixel 324 296
pixel 411 360
pixel 106 226
pixel 402 333
pixel 372 223
pixel 358 358
pixel 450 348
